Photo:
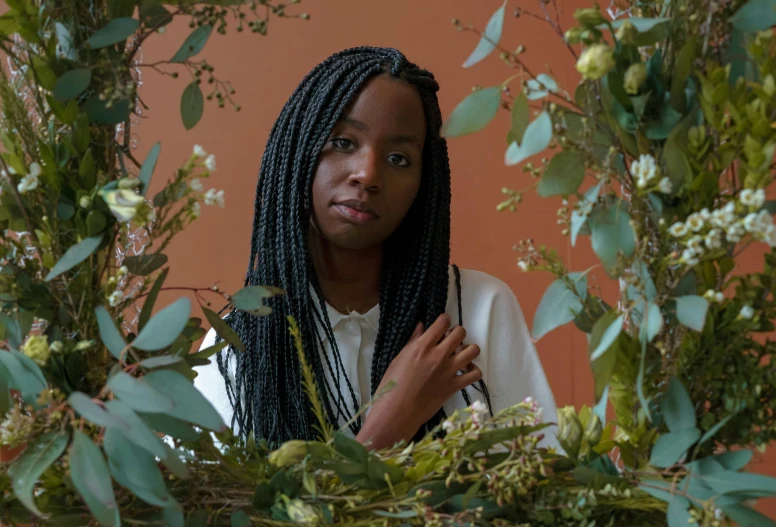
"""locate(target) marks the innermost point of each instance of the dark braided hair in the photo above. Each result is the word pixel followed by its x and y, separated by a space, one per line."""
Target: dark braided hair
pixel 267 394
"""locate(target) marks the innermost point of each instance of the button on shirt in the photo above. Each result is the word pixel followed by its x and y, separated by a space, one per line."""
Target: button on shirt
pixel 493 320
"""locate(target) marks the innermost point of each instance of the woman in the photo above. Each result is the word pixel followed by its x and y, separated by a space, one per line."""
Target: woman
pixel 352 220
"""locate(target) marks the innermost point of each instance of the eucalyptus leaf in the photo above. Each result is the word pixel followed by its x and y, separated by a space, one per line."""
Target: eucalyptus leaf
pixel 91 478
pixel 608 337
pixel 611 234
pixel 563 175
pixel 74 256
pixel 691 311
pixel 161 361
pixel 66 47
pixel 559 305
pixel 604 364
pixel 351 449
pixel 521 116
pixel 12 330
pixel 88 409
pixel 100 113
pixel 188 403
pixel 240 519
pixel 25 471
pixel 139 394
pixel 109 333
pixel 223 329
pixel 670 447
pixel 170 426
pixel 192 105
pixel 72 83
pixel 678 514
pixel 251 298
pixel 138 432
pixel 147 170
pixel 755 15
pixel 5 394
pixel 473 113
pixel 162 330
pixel 145 264
pixel 747 517
pixel 677 408
pixel 115 31
pixel 741 482
pixel 24 375
pixel 642 25
pixel 578 218
pixel 148 305
pixel 193 43
pixel 536 138
pixel 489 38
pixel 652 324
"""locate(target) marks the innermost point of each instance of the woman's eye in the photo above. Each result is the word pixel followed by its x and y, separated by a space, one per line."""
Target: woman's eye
pixel 342 143
pixel 399 160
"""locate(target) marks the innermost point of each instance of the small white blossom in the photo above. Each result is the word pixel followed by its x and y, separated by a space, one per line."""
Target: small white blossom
pixel 210 163
pixel 85 202
pixel 746 312
pixel 695 244
pixel 746 197
pixel 479 412
pixel 30 181
pixel 199 151
pixel 758 200
pixel 713 239
pixel 215 197
pixel 764 219
pixel 57 346
pixel 115 298
pixel 678 229
pixel 196 210
pixel 769 236
pixel 665 186
pixel 523 265
pixel 705 214
pixel 448 426
pixel 688 257
pixel 122 271
pixel 734 233
pixel 196 185
pixel 719 297
pixel 644 170
pixel 709 294
pixel 695 222
pixel 752 223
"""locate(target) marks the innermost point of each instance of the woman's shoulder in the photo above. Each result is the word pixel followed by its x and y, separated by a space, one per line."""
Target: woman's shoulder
pixel 478 286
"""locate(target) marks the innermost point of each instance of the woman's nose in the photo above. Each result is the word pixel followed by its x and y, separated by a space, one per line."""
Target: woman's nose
pixel 365 171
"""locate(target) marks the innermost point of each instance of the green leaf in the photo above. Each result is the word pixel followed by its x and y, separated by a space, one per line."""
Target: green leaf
pixel 604 364
pixel 240 519
pixel 711 432
pixel 223 329
pixel 608 337
pixel 135 469
pixel 170 426
pixel 611 234
pixel 173 517
pixel 207 352
pixel 154 15
pixel 677 408
pixel 641 270
pixel 138 394
pixel 652 324
pixel 109 333
pixel 162 330
pixel 755 15
pixel 148 305
pixel 473 113
pixel 72 83
pixel 640 381
pixel 121 8
pixel 489 38
pixel 193 44
pixel 661 127
pixel 251 299
pixel 691 311
pixel 188 403
pixel 747 517
pixel 536 138
pixel 521 116
pixel 559 305
pixel 161 361
pixel 578 218
pixel 5 390
pixel 91 478
pixel 23 375
pixel 398 515
pixel 138 432
pixel 100 113
pixel 192 105
pixel 27 469
pixel 147 170
pixel 678 515
pixel 351 449
pixel 12 330
pixel 741 482
pixel 540 87
pixel 145 264
pixel 44 75
pixel 563 176
pixel 670 447
pixel 770 206
pixel 642 25
pixel 115 31
pixel 682 70
pixel 88 409
pixel 74 256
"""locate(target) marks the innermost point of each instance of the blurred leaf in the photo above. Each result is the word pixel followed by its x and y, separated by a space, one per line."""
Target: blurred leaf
pixel 755 15
pixel 188 403
pixel 138 432
pixel 72 83
pixel 351 449
pixel 578 219
pixel 746 517
pixel 154 15
pixel 611 234
pixel 148 305
pixel 207 352
pixel 559 305
pixel 91 478
pixel 641 270
pixel 223 329
pixel 115 31
pixel 192 105
pixel 100 113
pixel 682 71
pixel 74 256
pixel 24 375
pixel 173 517
pixel 677 408
pixel 661 127
pixel 489 39
pixel 642 25
pixel 147 169
pixel 741 482
pixel 145 264
pixel 81 134
pixel 473 113
pixel 251 299
pixel 770 206
pixel 12 330
pixel 8 24
pixel 139 394
pixel 691 311
pixel 536 138
pixel 521 116
pixel 608 336
pixel 678 515
pixel 711 432
pixel 43 73
pixel 193 44
pixel 88 409
pixel 563 175
pixel 5 394
pixel 121 8
pixel 135 469
pixel 109 333
pixel 603 365
pixel 33 462
pixel 170 426
pixel 160 362
pixel 652 324
pixel 670 447
pixel 240 519
pixel 164 327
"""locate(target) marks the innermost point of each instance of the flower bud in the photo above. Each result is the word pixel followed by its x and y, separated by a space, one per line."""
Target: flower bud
pixel 627 33
pixel 37 348
pixel 590 17
pixel 569 430
pixel 289 453
pixel 635 76
pixel 301 513
pixel 595 61
pixel 593 430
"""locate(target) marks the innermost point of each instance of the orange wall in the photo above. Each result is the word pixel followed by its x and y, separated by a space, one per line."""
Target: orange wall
pixel 265 70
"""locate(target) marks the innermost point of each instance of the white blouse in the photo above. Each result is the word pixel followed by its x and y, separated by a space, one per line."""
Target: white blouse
pixel 493 320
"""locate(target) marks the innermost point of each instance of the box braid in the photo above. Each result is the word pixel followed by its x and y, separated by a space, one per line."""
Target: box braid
pixel 267 394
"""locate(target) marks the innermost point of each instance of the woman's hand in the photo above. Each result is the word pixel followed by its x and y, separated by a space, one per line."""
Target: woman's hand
pixel 426 374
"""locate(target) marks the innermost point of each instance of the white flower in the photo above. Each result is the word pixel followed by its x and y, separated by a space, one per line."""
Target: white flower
pixel 719 297
pixel 678 229
pixel 735 233
pixel 764 219
pixel 35 170
pixel 758 200
pixel 746 312
pixel 665 186
pixel 746 197
pixel 57 346
pixel 479 412
pixel 713 239
pixel 115 298
pixel 709 294
pixel 122 271
pixel 196 210
pixel 688 257
pixel 215 197
pixel 524 265
pixel 695 222
pixel 644 170
pixel 769 236
pixel 210 163
pixel 695 244
pixel 725 216
pixel 123 203
pixel 199 151
pixel 27 184
pixel 751 222
pixel 196 185
pixel 85 202
pixel 705 214
pixel 448 426
pixel 595 61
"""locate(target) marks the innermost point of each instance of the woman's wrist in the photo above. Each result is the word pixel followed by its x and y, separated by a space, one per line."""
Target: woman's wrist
pixel 385 429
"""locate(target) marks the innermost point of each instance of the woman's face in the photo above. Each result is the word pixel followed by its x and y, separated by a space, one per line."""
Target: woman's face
pixel 369 172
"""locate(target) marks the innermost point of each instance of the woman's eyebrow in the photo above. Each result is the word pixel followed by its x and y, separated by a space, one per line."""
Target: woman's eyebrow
pixel 355 123
pixel 398 138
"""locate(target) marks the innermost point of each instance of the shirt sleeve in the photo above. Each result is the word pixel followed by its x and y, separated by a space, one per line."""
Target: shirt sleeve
pixel 211 383
pixel 510 364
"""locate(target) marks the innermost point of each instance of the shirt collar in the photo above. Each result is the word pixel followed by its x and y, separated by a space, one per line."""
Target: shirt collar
pixel 371 317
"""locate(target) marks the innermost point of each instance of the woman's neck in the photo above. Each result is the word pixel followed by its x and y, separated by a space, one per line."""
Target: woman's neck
pixel 349 278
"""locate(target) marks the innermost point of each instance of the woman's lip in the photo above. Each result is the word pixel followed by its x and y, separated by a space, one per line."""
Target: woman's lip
pixel 355 215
